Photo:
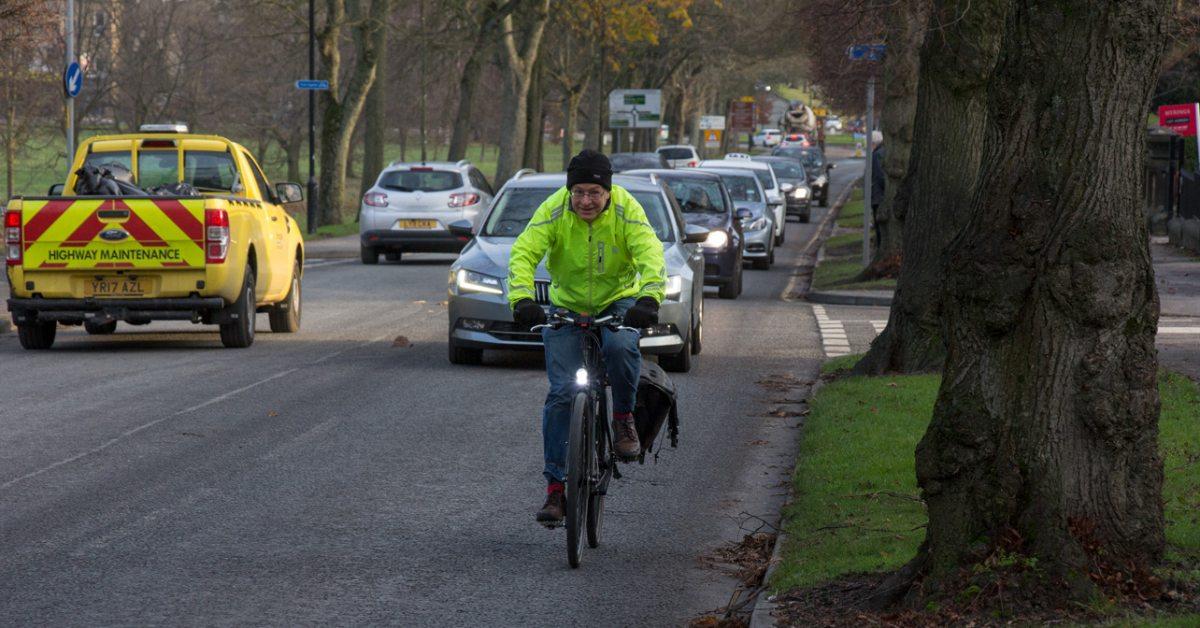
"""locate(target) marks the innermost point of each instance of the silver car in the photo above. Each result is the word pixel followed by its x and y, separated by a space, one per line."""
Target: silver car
pixel 770 185
pixel 758 221
pixel 479 316
pixel 411 204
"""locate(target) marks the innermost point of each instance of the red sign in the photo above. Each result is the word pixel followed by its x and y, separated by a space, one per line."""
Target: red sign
pixel 741 116
pixel 1181 119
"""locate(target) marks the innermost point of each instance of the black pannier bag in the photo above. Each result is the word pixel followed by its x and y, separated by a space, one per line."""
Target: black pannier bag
pixel 655 406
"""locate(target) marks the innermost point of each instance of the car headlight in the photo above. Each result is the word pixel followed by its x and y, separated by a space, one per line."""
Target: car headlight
pixel 755 225
pixel 800 192
pixel 470 281
pixel 674 286
pixel 716 240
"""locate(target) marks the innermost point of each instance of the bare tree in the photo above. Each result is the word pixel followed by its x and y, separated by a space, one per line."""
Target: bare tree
pixel 520 59
pixel 341 105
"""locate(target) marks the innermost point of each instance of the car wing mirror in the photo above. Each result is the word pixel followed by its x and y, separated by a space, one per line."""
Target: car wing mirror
pixel 289 192
pixel 461 229
pixel 694 234
pixel 743 213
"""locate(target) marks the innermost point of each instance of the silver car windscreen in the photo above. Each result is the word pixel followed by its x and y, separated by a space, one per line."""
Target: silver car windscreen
pixel 698 196
pixel 742 188
pixel 515 208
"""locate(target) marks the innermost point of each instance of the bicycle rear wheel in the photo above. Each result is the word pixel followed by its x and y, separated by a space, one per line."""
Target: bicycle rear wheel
pixel 578 489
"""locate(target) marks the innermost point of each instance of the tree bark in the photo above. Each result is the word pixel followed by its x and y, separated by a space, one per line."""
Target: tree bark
pixel 956 63
pixel 340 111
pixel 1047 419
pixel 375 133
pixel 571 122
pixel 518 71
pixel 906 24
pixel 532 157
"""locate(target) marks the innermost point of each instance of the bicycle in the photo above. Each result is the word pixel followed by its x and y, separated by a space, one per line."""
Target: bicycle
pixel 591 462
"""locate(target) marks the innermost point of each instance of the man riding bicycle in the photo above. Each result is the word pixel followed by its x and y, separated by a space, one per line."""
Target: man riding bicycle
pixel 604 259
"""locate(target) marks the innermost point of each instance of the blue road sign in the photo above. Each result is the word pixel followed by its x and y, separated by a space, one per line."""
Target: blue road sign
pixel 72 79
pixel 866 52
pixel 317 85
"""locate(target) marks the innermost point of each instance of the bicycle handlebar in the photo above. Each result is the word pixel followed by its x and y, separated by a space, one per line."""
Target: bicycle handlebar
pixel 558 320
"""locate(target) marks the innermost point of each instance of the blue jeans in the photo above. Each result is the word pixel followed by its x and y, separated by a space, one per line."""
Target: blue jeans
pixel 564 356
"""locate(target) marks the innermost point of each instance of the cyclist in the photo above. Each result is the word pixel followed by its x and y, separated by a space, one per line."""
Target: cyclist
pixel 604 259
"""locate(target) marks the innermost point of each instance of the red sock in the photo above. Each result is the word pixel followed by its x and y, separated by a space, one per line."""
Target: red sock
pixel 554 487
pixel 622 416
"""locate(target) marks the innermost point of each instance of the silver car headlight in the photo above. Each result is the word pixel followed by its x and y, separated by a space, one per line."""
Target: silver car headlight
pixel 755 225
pixel 674 287
pixel 716 240
pixel 800 192
pixel 471 281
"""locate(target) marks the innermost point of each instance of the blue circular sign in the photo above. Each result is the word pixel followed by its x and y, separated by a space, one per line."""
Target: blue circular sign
pixel 72 79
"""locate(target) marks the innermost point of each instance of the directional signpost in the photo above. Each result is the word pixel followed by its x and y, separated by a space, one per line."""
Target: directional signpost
pixel 872 53
pixel 72 79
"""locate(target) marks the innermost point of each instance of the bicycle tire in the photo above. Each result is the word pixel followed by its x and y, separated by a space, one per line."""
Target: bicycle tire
pixel 578 489
pixel 595 513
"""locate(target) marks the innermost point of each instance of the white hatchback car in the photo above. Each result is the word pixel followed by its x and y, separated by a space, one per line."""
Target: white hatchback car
pixel 680 155
pixel 411 204
pixel 769 137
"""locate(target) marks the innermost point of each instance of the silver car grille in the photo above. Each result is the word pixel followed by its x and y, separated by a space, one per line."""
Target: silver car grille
pixel 541 292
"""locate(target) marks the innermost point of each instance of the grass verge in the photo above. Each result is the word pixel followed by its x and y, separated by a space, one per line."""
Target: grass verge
pixel 856 506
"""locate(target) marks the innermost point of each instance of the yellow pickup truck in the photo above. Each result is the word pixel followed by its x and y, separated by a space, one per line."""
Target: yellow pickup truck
pixel 218 254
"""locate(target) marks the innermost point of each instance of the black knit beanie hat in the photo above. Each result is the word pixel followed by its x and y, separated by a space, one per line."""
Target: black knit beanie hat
pixel 590 166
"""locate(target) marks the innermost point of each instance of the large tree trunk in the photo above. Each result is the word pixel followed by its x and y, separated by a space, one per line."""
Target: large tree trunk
pixel 340 111
pixel 518 64
pixel 956 63
pixel 906 24
pixel 532 157
pixel 375 133
pixel 491 13
pixel 1047 420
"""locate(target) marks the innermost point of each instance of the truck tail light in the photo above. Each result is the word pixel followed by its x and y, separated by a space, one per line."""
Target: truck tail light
pixel 12 237
pixel 375 199
pixel 216 236
pixel 463 199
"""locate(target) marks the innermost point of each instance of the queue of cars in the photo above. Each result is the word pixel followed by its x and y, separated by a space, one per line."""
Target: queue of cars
pixel 733 208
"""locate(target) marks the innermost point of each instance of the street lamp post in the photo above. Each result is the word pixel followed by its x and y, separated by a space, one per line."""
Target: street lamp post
pixel 313 203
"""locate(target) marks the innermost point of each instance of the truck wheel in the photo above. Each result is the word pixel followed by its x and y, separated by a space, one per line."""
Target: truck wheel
pixel 285 315
pixel 239 333
pixel 37 336
pixel 369 254
pixel 464 355
pixel 100 329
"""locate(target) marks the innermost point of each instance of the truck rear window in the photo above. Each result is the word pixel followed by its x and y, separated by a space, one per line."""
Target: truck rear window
pixel 122 158
pixel 420 180
pixel 209 170
pixel 157 167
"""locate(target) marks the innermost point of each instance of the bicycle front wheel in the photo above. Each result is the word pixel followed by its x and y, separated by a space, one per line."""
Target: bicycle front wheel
pixel 579 449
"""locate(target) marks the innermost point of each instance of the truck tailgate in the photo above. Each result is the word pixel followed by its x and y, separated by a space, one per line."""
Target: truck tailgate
pixel 113 233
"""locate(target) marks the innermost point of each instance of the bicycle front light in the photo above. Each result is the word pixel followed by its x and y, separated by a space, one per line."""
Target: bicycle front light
pixel 581 378
pixel 674 286
pixel 470 281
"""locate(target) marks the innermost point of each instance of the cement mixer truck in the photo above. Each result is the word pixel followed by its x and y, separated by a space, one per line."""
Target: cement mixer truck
pixel 799 118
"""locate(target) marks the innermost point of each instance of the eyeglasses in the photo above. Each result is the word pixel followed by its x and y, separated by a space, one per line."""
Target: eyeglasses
pixel 594 195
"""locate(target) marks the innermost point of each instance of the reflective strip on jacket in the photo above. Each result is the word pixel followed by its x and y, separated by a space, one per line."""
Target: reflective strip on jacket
pixel 618 255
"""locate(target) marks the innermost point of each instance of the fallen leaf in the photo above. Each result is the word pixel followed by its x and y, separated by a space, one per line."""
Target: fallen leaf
pixel 272 413
pixel 401 342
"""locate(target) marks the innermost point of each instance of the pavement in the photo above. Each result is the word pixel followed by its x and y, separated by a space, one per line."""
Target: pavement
pixel 848 330
pixel 350 475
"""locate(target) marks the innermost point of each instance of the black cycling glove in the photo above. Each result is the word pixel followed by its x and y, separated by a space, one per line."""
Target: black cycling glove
pixel 643 314
pixel 526 313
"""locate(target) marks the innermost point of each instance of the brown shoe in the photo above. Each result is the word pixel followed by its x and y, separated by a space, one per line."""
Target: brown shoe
pixel 552 511
pixel 625 438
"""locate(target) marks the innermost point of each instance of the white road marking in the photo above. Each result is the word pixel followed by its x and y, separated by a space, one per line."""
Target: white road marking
pixel 318 263
pixel 1179 330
